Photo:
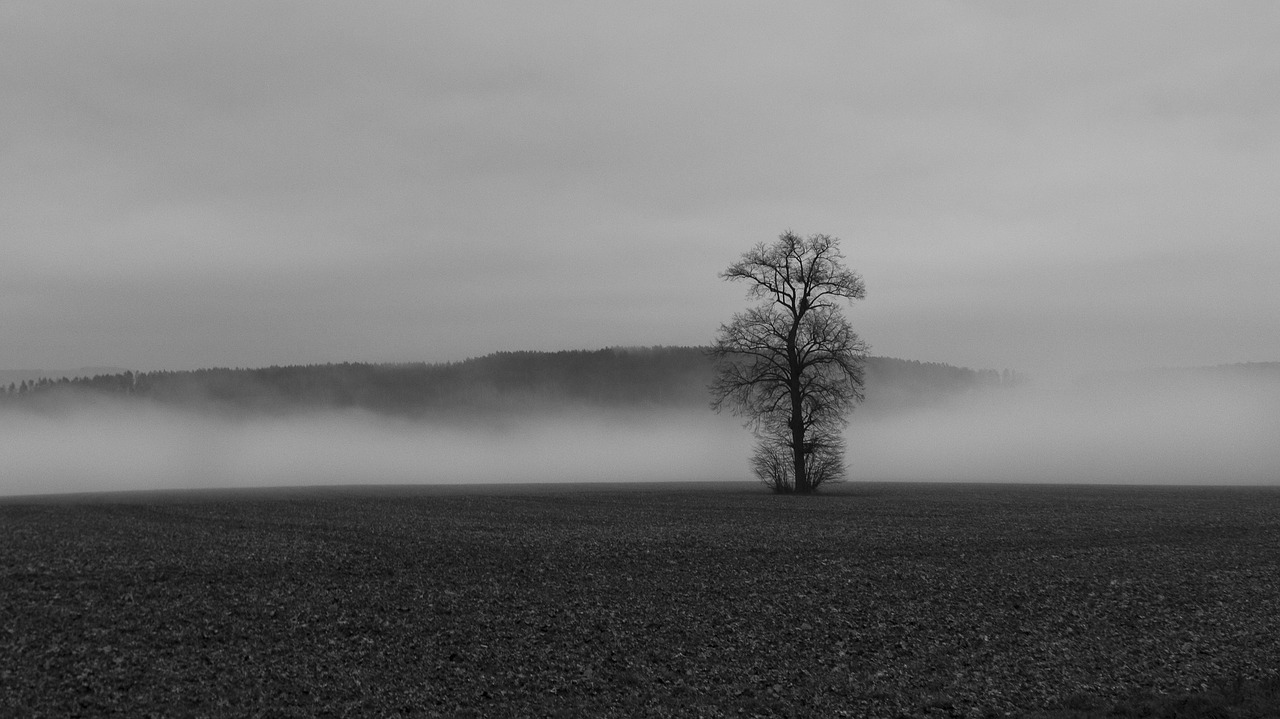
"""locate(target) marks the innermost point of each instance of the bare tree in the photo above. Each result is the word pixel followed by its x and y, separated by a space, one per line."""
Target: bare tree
pixel 793 364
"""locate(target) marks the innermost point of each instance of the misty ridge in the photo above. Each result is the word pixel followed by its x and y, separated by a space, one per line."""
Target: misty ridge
pixel 492 387
pixel 620 414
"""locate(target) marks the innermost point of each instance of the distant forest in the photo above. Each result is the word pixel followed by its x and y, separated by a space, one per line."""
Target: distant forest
pixel 508 382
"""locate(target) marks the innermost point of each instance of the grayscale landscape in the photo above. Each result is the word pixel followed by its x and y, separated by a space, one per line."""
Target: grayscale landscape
pixel 722 359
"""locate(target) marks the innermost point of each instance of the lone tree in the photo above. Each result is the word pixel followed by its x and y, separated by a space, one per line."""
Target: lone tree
pixel 793 365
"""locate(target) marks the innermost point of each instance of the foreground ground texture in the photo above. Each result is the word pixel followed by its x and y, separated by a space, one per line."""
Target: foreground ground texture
pixel 657 600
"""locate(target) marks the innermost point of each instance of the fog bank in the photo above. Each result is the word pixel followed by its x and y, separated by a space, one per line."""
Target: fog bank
pixel 1180 433
pixel 117 446
pixel 1221 433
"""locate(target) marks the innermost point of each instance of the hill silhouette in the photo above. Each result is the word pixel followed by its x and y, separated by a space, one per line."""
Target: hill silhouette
pixel 503 382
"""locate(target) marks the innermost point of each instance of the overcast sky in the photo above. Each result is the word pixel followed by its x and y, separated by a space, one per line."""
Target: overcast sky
pixel 1042 186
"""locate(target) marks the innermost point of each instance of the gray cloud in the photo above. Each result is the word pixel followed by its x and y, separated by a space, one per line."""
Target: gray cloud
pixel 1043 187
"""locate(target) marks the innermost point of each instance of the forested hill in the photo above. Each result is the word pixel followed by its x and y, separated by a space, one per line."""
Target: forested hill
pixel 640 378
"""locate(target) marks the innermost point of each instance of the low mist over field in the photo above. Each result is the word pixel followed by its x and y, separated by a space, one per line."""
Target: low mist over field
pixel 120 447
pixel 1219 434
pixel 921 422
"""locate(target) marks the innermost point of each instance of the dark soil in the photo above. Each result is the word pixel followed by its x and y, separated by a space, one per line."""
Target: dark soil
pixel 653 600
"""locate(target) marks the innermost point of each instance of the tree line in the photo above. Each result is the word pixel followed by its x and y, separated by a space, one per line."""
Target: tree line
pixel 636 378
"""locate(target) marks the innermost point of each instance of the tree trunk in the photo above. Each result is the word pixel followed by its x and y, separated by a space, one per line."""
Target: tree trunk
pixel 801 473
pixel 797 453
pixel 801 477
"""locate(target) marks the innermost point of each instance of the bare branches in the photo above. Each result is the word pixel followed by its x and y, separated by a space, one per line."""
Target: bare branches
pixel 793 365
pixel 797 274
pixel 823 460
